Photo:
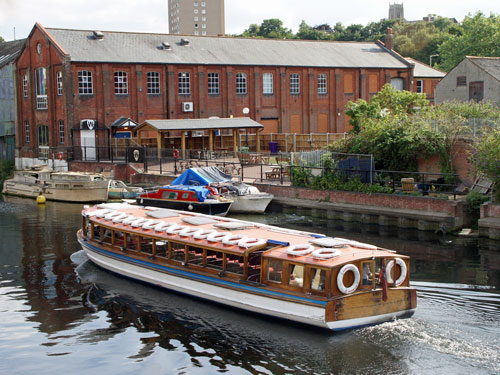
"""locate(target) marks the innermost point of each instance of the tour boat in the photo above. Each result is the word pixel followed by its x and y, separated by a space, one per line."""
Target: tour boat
pixel 58 186
pixel 246 198
pixel 200 199
pixel 303 277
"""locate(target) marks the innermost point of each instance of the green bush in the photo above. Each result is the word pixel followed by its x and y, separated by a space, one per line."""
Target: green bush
pixel 474 201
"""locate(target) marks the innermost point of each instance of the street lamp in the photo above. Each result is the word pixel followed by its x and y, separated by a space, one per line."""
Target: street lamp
pixel 430 58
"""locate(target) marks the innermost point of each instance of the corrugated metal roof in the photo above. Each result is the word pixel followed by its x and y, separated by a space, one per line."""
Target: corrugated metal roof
pixel 424 71
pixel 10 50
pixel 489 64
pixel 202 124
pixel 123 47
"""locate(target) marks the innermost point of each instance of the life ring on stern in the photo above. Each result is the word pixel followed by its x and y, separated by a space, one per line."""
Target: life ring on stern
pixel 340 279
pixel 60 155
pixel 301 249
pixel 176 153
pixel 404 270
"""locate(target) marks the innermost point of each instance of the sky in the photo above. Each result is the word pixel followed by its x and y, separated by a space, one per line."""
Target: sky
pixel 152 15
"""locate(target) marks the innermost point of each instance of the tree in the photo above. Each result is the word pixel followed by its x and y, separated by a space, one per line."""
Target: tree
pixel 1 40
pixel 306 32
pixel 273 28
pixel 478 36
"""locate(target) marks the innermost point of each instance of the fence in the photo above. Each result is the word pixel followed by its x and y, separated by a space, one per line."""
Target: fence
pixel 285 142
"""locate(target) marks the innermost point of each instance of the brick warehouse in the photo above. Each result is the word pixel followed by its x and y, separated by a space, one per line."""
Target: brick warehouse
pixel 73 84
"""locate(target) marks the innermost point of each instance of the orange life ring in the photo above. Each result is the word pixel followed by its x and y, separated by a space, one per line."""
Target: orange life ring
pixel 60 155
pixel 176 153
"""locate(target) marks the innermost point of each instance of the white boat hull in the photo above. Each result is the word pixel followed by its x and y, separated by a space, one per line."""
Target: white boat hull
pixel 251 203
pixel 244 296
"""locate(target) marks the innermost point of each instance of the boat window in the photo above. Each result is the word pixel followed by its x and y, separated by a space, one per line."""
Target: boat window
pixel 97 232
pixel 161 248
pixel 169 195
pixel 185 195
pixel 214 260
pixel 318 279
pixel 234 264
pixel 195 255
pixel 133 242
pixel 119 239
pixel 296 275
pixel 146 245
pixel 107 233
pixel 275 270
pixel 368 276
pixel 178 252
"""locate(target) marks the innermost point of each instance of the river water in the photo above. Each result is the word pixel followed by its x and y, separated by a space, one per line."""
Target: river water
pixel 59 312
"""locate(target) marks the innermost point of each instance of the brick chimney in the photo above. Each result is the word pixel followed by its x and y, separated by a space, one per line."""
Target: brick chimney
pixel 389 39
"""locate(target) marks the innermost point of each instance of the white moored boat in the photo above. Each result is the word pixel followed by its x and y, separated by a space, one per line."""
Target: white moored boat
pixel 58 186
pixel 303 277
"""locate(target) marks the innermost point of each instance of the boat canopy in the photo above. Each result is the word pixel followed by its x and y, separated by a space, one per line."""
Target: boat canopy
pixel 202 176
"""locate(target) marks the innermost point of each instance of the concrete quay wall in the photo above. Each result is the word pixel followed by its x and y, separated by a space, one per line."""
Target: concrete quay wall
pixel 489 223
pixel 409 212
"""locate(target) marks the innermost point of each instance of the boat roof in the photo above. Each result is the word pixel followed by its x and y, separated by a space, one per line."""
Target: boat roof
pixel 281 238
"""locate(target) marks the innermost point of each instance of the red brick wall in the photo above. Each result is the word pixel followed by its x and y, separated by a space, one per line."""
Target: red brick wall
pixel 490 210
pixel 453 208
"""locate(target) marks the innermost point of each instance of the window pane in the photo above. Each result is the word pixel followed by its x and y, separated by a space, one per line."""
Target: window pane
pixel 275 270
pixel 213 83
pixel 296 275
pixel 322 87
pixel 184 83
pixel 241 83
pixel 294 84
pixel 318 280
pixel 267 83
pixel 153 82
pixel 85 86
pixel 121 83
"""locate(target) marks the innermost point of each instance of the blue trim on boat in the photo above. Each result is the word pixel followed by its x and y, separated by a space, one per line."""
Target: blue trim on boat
pixel 280 243
pixel 202 277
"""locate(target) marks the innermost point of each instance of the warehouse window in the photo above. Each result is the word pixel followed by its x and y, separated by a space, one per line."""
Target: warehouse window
pixel 59 83
pixel 184 83
pixel 213 83
pixel 85 86
pixel 322 88
pixel 153 82
pixel 121 83
pixel 241 83
pixel 294 84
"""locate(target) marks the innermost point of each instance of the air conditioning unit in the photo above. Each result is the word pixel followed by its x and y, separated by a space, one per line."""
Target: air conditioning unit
pixel 187 107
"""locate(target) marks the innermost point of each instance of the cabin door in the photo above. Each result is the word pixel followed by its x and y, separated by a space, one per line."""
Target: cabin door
pixel 87 141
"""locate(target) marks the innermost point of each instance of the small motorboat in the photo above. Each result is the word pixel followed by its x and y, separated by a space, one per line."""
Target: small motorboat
pixel 246 198
pixel 201 199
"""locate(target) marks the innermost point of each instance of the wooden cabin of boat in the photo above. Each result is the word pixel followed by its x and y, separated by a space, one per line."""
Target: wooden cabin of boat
pixel 270 270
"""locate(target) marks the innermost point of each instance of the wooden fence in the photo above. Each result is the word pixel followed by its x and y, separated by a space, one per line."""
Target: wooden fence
pixel 290 142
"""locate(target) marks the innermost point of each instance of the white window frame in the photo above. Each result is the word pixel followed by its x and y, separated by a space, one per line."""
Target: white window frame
pixel 61 131
pixel 204 26
pixel 268 84
pixel 419 86
pixel 153 83
pixel 25 85
pixel 121 83
pixel 294 84
pixel 85 84
pixel 59 83
pixel 322 84
pixel 184 83
pixel 196 11
pixel 213 83
pixel 203 11
pixel 241 83
pixel 27 137
pixel 203 33
pixel 41 88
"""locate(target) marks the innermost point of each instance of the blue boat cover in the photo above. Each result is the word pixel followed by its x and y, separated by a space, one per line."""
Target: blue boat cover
pixel 201 176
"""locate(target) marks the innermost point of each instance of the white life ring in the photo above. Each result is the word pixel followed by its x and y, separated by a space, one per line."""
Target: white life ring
pixel 129 220
pixel 326 253
pixel 251 242
pixel 119 218
pixel 217 236
pixel 149 224
pixel 138 222
pixel 175 229
pixel 161 226
pixel 103 212
pixel 401 263
pixel 340 279
pixel 233 239
pixel 188 232
pixel 202 234
pixel 301 249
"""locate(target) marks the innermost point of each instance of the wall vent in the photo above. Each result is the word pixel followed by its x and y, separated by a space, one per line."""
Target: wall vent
pixel 98 34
